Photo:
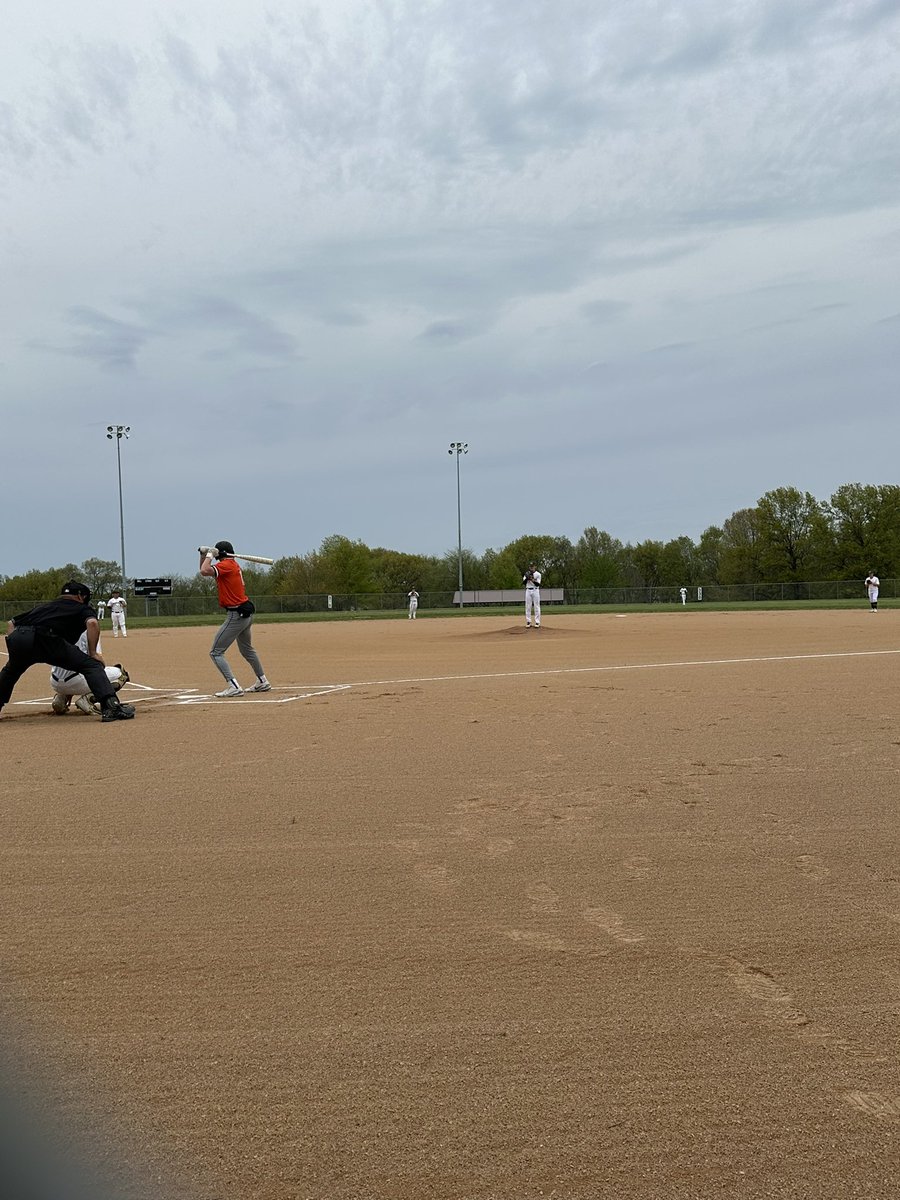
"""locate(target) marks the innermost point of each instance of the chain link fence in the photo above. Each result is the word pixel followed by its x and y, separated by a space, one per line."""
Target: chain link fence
pixel 372 602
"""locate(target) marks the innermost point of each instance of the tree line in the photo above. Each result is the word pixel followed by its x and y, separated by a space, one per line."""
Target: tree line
pixel 789 536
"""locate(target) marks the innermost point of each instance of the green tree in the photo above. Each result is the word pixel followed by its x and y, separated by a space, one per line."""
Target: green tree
pixel 678 563
pixel 795 535
pixel 741 548
pixel 555 557
pixel 447 576
pixel 865 522
pixel 192 585
pixel 598 559
pixel 34 587
pixel 296 575
pixel 393 571
pixel 647 563
pixel 345 567
pixel 101 575
pixel 560 564
pixel 709 551
pixel 502 569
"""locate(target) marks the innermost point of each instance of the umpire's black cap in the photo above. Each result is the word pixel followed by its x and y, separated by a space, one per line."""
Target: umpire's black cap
pixel 74 588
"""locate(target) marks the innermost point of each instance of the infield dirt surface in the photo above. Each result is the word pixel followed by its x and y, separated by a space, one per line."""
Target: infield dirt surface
pixel 464 910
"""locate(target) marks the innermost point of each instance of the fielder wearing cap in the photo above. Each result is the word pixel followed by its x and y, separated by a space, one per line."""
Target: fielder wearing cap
pixel 532 581
pixel 873 583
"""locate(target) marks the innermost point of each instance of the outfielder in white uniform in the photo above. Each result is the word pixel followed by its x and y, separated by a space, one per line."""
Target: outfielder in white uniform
pixel 413 603
pixel 873 583
pixel 69 686
pixel 117 605
pixel 101 609
pixel 532 581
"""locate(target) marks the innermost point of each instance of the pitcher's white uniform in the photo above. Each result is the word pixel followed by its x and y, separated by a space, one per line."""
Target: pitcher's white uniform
pixel 413 603
pixel 117 605
pixel 532 581
pixel 873 583
pixel 67 684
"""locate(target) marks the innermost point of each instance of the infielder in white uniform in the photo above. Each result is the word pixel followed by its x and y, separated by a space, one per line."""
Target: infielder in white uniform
pixel 532 581
pixel 101 609
pixel 413 603
pixel 69 686
pixel 873 583
pixel 117 605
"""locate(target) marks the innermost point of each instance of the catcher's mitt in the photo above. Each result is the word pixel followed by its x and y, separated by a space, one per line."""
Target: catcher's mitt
pixel 92 704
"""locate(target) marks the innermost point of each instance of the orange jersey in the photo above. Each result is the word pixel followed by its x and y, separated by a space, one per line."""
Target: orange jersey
pixel 230 582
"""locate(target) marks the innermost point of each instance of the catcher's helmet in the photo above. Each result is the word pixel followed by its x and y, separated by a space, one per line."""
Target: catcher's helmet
pixel 224 548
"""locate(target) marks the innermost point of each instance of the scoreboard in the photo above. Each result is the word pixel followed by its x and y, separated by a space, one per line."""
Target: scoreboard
pixel 153 587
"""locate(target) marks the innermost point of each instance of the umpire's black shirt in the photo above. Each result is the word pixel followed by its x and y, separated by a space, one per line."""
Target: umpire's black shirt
pixel 66 618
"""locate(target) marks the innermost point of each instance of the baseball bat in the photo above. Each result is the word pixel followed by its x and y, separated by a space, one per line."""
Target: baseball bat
pixel 210 551
pixel 257 558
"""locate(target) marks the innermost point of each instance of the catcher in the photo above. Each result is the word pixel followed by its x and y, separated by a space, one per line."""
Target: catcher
pixel 69 685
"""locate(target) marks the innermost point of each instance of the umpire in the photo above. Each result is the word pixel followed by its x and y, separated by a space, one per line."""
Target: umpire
pixel 48 633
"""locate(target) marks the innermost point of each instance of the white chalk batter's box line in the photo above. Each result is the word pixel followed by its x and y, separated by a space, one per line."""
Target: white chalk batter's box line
pixel 167 697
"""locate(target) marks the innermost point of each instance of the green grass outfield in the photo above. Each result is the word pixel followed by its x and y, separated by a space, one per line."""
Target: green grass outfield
pixel 499 610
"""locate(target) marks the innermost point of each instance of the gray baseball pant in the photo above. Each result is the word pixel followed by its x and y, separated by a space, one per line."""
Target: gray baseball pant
pixel 235 629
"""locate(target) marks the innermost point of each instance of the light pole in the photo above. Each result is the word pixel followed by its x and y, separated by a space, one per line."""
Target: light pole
pixel 118 432
pixel 459 448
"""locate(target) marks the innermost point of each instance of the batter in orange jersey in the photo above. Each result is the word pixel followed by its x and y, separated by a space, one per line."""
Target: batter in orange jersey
pixel 217 562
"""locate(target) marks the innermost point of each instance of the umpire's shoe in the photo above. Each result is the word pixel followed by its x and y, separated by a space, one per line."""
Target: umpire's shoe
pixel 115 710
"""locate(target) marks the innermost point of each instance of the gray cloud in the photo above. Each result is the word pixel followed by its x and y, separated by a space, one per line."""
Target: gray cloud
pixel 109 342
pixel 443 333
pixel 342 316
pixel 600 312
pixel 236 330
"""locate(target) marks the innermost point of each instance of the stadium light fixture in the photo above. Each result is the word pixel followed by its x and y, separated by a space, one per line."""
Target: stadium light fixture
pixel 459 448
pixel 118 432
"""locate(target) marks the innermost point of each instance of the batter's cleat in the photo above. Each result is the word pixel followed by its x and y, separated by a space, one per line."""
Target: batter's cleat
pixel 114 710
pixel 231 690
pixel 261 685
pixel 89 705
pixel 60 704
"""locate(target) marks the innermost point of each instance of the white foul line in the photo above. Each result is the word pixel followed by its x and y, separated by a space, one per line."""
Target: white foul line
pixel 656 666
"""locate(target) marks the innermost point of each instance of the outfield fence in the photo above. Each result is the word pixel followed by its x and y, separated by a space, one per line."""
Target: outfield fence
pixel 370 602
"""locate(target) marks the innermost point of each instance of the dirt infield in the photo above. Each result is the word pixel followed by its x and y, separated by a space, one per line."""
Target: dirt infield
pixel 463 910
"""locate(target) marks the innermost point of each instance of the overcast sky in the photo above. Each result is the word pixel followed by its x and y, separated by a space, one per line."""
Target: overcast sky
pixel 643 257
